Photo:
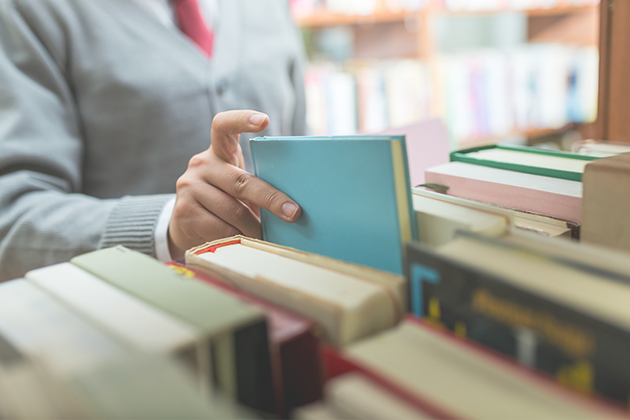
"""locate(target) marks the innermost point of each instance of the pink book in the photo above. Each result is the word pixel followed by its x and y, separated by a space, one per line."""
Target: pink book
pixel 427 146
pixel 553 197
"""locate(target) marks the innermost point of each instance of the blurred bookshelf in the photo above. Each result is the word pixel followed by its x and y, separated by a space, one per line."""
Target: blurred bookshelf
pixel 494 71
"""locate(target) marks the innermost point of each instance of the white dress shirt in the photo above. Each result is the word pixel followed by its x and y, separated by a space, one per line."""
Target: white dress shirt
pixel 163 10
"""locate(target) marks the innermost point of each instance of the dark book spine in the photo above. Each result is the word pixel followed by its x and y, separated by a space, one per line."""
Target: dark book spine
pixel 576 349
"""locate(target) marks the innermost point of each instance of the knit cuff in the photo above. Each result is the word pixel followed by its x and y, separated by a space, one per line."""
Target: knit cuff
pixel 132 223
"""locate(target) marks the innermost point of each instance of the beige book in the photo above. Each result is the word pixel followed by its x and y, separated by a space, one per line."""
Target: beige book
pixel 347 301
pixel 466 382
pixel 606 200
pixel 440 216
pixel 355 396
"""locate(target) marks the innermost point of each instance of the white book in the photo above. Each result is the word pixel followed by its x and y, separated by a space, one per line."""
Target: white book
pixel 136 323
pixel 347 301
pixel 44 329
pixel 440 216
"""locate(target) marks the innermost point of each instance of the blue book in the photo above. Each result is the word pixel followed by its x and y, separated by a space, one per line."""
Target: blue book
pixel 354 193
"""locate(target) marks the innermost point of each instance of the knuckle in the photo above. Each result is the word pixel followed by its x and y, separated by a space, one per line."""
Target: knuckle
pixel 241 182
pixel 272 197
pixel 183 182
pixel 196 161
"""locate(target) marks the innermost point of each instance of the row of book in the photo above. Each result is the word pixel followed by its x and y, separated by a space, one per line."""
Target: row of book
pixel 496 314
pixel 363 7
pixel 478 94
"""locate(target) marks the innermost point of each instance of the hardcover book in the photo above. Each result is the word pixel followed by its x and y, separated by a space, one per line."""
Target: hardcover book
pixel 132 321
pixel 558 198
pixel 354 192
pixel 234 348
pixel 606 202
pixel 293 340
pixel 347 301
pixel 529 160
pixel 533 301
pixel 440 375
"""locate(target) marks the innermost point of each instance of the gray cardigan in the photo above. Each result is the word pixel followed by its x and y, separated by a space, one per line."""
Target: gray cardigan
pixel 101 106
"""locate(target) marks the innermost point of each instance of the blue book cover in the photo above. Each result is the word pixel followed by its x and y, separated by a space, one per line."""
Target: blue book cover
pixel 354 192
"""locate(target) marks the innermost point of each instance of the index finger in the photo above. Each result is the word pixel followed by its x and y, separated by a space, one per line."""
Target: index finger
pixel 245 186
pixel 227 127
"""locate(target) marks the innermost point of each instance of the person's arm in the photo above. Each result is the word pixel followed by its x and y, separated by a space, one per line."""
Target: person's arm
pixel 44 218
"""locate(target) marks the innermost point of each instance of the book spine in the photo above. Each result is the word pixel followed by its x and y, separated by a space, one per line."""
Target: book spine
pixel 577 350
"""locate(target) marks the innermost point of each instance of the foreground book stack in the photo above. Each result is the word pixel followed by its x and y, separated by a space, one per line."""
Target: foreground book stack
pixel 557 307
pixel 416 371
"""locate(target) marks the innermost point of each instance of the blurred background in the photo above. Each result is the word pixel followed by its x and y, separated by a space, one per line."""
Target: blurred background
pixel 515 71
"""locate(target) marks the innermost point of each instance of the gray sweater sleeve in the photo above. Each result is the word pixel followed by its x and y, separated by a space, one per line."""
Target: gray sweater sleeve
pixel 44 217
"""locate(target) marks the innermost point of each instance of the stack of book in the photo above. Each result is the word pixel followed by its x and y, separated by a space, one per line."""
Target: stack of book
pixel 384 301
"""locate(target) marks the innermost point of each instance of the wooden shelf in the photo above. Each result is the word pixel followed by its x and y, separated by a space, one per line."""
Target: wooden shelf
pixel 324 17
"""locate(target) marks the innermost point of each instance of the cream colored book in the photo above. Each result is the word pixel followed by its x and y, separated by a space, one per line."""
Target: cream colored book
pixel 440 216
pixel 346 300
pixel 131 320
pixel 355 396
pixel 44 329
pixel 465 382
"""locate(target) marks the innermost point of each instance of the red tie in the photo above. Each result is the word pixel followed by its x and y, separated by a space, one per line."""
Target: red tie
pixel 192 24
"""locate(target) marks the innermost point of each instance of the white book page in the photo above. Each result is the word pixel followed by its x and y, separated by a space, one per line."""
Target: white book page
pixel 517 179
pixel 339 289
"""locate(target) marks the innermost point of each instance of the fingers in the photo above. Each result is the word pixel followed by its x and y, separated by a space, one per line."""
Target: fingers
pixel 228 209
pixel 246 187
pixel 226 129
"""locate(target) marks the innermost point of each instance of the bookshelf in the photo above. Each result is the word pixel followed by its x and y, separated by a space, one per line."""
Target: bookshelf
pixel 384 35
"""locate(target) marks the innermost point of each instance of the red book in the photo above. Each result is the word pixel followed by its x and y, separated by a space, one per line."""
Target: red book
pixel 294 342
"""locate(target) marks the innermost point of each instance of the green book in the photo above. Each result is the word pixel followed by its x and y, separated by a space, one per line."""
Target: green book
pixel 529 160
pixel 233 350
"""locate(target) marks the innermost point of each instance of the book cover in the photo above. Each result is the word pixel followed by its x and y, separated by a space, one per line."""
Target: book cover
pixel 132 321
pixel 346 300
pixel 529 160
pixel 234 334
pixel 439 374
pixel 354 193
pixel 606 202
pixel 551 332
pixel 559 198
pixel 293 340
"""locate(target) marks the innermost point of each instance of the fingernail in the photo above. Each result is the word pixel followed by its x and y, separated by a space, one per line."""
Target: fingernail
pixel 289 209
pixel 257 119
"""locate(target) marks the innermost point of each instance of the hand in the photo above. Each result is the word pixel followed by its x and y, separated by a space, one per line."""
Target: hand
pixel 216 197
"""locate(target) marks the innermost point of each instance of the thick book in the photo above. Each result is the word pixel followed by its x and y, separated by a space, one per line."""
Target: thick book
pixel 447 378
pixel 606 202
pixel 559 198
pixel 529 160
pixel 42 328
pixel 294 345
pixel 453 213
pixel 132 321
pixel 544 303
pixel 439 217
pixel 347 301
pixel 354 192
pixel 233 335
